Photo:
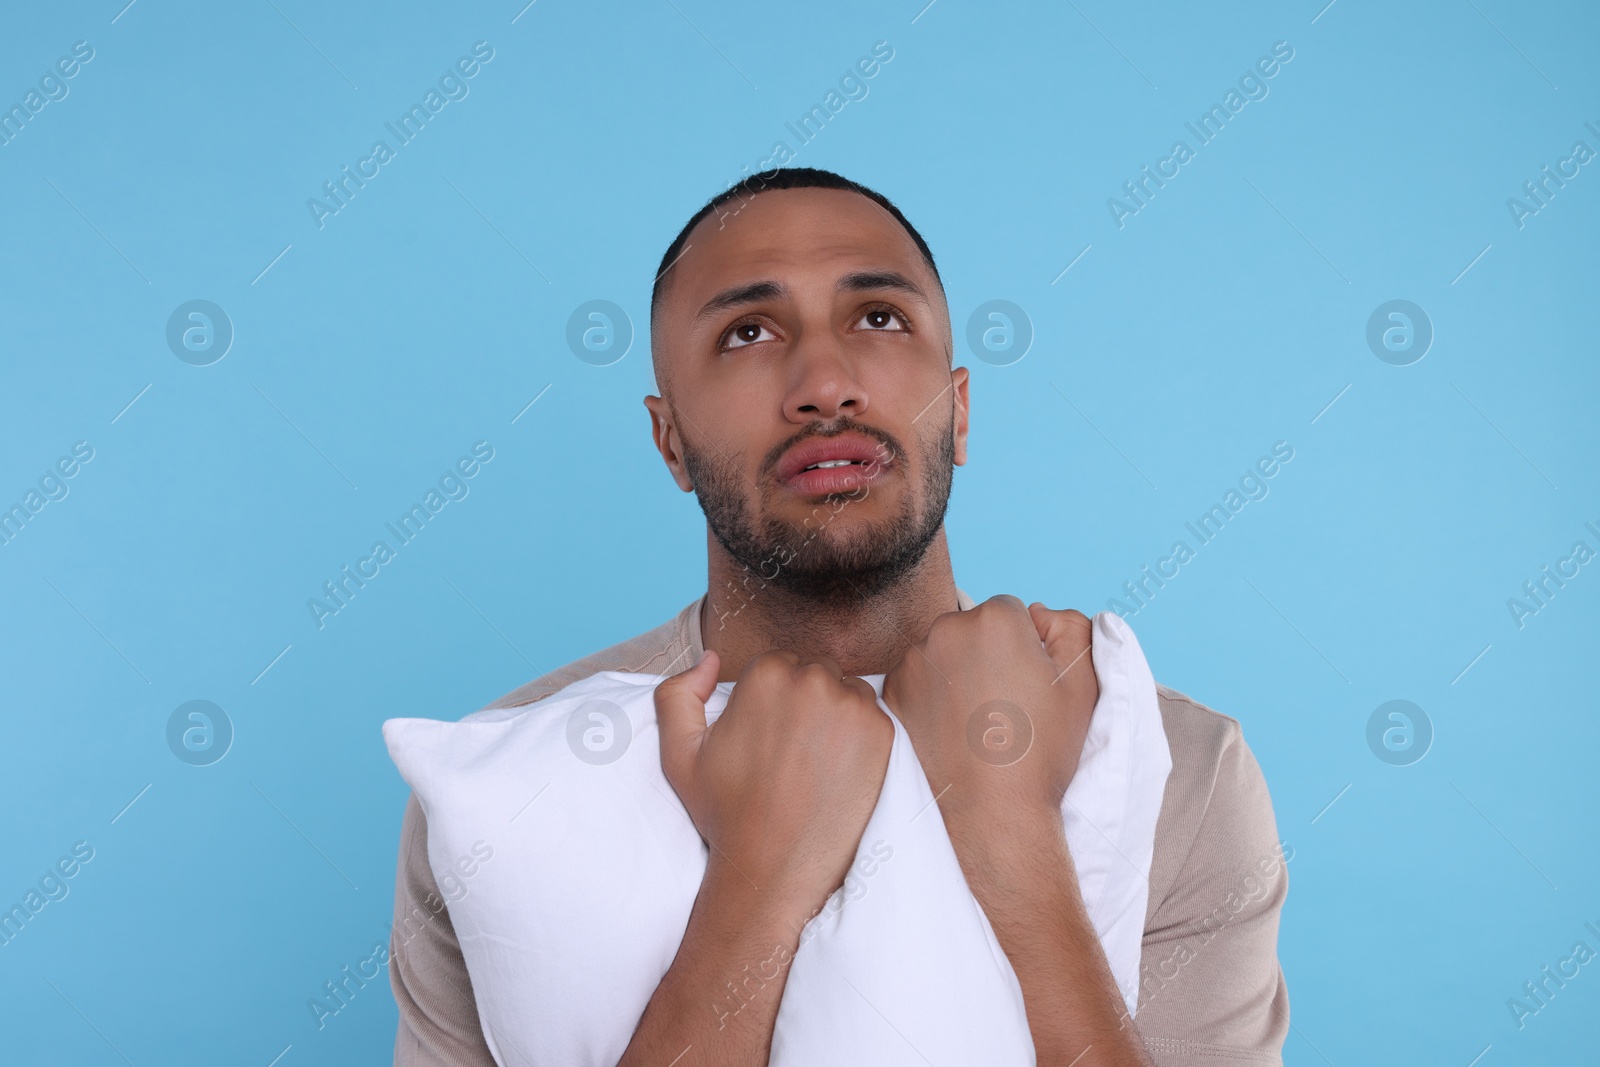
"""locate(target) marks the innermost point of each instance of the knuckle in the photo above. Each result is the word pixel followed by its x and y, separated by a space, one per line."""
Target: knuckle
pixel 828 664
pixel 814 671
pixel 819 683
pixel 774 661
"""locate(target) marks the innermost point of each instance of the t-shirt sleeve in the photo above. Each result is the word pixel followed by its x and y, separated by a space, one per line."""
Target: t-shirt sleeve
pixel 438 1016
pixel 1212 991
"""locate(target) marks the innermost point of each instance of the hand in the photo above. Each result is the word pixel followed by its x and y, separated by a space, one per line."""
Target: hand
pixel 997 719
pixel 782 785
pixel 998 722
pixel 781 788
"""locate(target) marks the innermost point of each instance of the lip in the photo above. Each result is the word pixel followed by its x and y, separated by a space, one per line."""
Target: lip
pixel 868 461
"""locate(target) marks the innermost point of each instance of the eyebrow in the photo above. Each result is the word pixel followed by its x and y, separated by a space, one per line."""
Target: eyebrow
pixel 858 281
pixel 864 280
pixel 739 295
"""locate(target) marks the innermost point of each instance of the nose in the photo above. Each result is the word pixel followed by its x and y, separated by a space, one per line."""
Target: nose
pixel 824 383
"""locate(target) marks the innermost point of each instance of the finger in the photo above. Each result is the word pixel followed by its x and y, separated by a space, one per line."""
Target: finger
pixel 1007 599
pixel 1067 636
pixel 758 663
pixel 825 661
pixel 1014 611
pixel 681 712
pixel 862 686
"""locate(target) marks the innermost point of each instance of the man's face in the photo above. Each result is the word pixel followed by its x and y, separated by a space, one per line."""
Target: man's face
pixel 806 329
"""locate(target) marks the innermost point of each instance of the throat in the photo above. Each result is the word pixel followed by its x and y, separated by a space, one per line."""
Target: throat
pixel 863 634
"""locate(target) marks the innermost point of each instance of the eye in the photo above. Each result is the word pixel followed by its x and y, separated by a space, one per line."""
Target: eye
pixel 884 319
pixel 746 333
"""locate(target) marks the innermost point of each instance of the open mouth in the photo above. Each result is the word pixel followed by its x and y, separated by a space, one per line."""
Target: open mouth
pixel 837 464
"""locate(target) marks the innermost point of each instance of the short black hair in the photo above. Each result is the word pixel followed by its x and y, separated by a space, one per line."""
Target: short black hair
pixel 783 178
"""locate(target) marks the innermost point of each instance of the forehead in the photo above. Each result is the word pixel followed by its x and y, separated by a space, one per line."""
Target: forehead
pixel 789 234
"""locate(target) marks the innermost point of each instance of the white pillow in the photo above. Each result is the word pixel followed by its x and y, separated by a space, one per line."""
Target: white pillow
pixel 595 865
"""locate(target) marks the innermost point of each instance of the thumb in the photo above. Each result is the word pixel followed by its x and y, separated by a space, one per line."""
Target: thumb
pixel 1067 635
pixel 681 712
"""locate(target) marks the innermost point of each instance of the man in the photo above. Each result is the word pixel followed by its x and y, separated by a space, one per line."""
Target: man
pixel 803 351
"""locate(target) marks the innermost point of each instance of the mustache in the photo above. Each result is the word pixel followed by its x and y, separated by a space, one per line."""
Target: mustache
pixel 839 426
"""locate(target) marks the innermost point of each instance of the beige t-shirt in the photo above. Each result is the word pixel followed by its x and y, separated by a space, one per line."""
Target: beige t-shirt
pixel 1211 990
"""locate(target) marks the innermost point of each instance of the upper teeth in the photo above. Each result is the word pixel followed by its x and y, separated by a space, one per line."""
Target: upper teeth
pixel 831 463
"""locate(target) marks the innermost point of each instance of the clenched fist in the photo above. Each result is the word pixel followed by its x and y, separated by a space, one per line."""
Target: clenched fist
pixel 997 702
pixel 781 786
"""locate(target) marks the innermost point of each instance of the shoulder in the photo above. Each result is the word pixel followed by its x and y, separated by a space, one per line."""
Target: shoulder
pixel 1210 982
pixel 665 649
pixel 1215 786
pixel 1200 739
pixel 1198 728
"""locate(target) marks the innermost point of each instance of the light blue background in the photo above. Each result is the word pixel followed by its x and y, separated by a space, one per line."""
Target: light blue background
pixel 1226 315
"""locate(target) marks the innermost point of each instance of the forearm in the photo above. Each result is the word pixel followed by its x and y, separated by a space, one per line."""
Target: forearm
pixel 1022 875
pixel 718 1002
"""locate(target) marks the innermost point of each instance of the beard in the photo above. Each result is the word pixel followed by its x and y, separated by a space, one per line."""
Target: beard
pixel 815 563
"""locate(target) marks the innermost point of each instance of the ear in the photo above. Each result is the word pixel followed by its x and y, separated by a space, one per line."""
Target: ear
pixel 664 432
pixel 958 380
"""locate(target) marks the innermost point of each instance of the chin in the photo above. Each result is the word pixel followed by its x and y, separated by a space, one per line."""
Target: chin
pixel 825 522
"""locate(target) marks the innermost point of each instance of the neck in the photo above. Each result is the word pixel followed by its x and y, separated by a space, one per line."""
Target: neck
pixel 744 616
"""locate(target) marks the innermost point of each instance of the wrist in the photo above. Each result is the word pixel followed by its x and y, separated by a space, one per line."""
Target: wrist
pixel 740 910
pixel 1005 826
pixel 1011 856
pixel 729 973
